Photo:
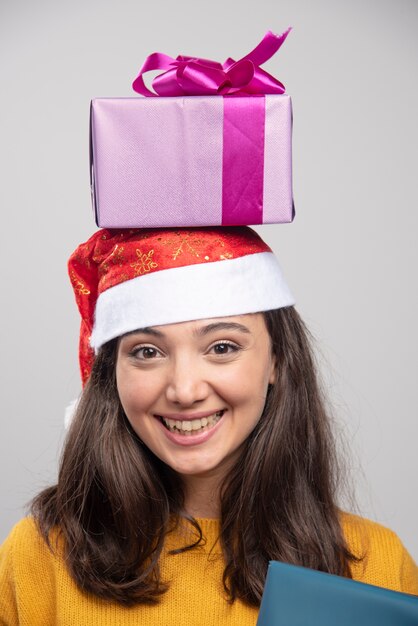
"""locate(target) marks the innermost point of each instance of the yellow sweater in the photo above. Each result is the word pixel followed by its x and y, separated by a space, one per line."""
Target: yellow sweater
pixel 36 589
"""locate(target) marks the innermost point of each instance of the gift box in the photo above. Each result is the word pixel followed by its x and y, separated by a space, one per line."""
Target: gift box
pixel 191 161
pixel 214 148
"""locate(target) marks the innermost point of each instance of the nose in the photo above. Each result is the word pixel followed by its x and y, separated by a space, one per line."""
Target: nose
pixel 186 384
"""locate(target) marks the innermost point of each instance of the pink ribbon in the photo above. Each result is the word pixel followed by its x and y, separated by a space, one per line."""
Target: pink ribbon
pixel 193 76
pixel 243 161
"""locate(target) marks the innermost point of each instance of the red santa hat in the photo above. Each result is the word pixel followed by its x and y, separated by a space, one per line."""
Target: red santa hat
pixel 129 279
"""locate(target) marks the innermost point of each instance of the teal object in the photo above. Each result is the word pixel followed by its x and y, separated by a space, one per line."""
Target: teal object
pixel 298 596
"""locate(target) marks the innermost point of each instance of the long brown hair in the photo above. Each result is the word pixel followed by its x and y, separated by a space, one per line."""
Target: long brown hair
pixel 115 501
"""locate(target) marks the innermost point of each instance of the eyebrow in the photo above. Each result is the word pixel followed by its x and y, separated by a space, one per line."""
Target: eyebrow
pixel 205 330
pixel 144 331
pixel 201 332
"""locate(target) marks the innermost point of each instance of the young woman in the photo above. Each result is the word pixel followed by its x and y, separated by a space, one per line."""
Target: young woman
pixel 200 448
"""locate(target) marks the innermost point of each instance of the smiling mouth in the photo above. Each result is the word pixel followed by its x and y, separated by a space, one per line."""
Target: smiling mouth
pixel 192 427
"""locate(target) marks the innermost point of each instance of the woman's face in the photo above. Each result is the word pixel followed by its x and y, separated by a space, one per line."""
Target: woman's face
pixel 194 391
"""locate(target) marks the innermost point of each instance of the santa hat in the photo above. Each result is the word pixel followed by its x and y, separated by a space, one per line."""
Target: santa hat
pixel 129 279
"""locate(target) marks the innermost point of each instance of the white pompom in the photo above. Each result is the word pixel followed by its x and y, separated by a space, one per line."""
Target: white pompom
pixel 70 412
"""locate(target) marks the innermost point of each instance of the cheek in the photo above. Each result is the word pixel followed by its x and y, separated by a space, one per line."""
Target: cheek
pixel 247 383
pixel 124 388
pixel 135 402
pixel 134 392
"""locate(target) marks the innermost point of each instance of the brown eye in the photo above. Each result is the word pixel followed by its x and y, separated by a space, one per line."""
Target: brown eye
pixel 143 353
pixel 224 347
pixel 148 353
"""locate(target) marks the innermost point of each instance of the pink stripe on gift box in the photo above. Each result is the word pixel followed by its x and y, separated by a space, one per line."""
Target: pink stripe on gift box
pixel 243 160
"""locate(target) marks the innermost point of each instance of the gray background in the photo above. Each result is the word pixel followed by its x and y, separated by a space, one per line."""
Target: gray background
pixel 350 256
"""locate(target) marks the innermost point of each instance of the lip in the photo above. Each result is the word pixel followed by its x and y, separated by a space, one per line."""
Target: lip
pixel 193 440
pixel 187 416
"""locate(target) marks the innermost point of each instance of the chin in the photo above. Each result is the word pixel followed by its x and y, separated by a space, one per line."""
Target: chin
pixel 194 470
pixel 200 467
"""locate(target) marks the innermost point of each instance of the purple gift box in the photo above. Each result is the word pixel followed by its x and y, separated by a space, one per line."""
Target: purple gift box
pixel 214 148
pixel 191 161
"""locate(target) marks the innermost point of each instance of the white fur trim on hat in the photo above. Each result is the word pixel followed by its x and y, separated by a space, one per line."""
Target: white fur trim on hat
pixel 248 284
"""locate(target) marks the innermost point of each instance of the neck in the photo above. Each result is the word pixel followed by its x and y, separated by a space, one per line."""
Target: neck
pixel 202 495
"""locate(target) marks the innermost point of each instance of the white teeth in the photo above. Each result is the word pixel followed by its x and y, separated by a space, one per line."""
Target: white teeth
pixel 187 427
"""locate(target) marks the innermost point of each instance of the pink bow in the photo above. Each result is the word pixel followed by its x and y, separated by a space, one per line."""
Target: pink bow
pixel 192 76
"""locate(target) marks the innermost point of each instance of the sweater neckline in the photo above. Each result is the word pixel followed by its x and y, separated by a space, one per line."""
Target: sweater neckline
pixel 185 534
